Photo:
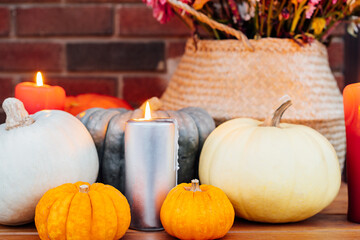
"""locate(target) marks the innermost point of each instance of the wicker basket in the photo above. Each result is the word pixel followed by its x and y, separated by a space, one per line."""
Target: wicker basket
pixel 230 79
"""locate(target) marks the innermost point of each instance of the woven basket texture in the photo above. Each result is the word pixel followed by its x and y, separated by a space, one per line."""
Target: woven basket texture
pixel 229 81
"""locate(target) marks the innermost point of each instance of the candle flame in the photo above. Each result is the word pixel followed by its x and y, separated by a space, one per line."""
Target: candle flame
pixel 39 79
pixel 147 111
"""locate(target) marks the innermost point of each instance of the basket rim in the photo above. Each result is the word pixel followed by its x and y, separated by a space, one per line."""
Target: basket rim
pixel 264 44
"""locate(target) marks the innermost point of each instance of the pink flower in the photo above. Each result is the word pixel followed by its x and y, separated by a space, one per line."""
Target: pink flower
pixel 334 1
pixel 162 11
pixel 311 8
pixel 309 11
pixel 285 14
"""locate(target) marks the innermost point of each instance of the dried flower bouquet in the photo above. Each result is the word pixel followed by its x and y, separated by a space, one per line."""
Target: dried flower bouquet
pixel 296 19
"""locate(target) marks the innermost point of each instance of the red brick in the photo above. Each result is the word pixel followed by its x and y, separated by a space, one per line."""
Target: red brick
pixel 139 21
pixel 52 21
pixel 336 54
pixel 17 56
pixel 102 1
pixel 176 49
pixel 6 89
pixel 116 56
pixel 339 30
pixel 339 77
pixel 138 89
pixel 2 116
pixel 30 1
pixel 78 85
pixel 4 22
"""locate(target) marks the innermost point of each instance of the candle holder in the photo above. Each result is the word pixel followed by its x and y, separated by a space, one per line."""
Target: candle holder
pixel 151 148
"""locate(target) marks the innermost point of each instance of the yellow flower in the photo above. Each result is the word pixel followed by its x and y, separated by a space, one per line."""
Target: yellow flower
pixel 353 4
pixel 318 25
pixel 295 2
pixel 198 4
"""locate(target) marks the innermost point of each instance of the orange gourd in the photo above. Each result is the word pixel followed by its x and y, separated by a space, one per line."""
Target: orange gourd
pixel 80 211
pixel 191 211
pixel 82 102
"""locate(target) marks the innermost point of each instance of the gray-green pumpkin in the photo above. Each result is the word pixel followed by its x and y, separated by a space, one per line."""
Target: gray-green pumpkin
pixel 106 126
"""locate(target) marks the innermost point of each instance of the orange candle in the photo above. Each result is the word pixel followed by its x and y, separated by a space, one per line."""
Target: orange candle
pixel 352 122
pixel 38 96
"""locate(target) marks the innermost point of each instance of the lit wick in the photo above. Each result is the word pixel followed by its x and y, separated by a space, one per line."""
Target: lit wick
pixel 147 111
pixel 39 79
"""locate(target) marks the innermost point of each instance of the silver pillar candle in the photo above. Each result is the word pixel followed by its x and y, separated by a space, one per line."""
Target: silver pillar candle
pixel 151 150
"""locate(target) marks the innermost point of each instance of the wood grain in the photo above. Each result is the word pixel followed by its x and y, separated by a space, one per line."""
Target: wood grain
pixel 330 224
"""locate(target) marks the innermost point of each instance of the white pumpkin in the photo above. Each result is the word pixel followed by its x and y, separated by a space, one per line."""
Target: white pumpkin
pixel 271 172
pixel 37 153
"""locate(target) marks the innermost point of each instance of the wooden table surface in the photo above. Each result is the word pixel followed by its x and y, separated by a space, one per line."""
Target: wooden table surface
pixel 331 223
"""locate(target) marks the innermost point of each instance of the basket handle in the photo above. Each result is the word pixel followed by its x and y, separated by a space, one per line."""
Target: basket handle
pixel 222 27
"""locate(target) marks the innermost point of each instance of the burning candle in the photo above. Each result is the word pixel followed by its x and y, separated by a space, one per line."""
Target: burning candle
pixel 351 96
pixel 38 96
pixel 150 167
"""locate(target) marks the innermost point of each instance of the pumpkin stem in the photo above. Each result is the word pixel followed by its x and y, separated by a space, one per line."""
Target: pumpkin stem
pixel 274 119
pixel 74 104
pixel 195 187
pixel 16 115
pixel 84 188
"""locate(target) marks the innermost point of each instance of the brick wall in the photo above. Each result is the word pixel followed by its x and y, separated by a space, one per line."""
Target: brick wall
pixel 110 47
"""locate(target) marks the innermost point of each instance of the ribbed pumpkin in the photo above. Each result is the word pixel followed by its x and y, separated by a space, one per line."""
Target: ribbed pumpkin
pixel 107 129
pixel 39 152
pixel 191 211
pixel 80 211
pixel 271 172
pixel 82 102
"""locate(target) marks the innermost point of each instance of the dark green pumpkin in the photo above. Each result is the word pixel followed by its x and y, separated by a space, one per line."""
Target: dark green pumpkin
pixel 106 126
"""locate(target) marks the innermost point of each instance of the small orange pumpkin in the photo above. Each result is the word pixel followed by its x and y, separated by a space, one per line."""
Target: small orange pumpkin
pixel 80 211
pixel 191 211
pixel 82 102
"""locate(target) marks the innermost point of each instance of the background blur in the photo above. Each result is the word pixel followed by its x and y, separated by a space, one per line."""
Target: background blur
pixel 112 47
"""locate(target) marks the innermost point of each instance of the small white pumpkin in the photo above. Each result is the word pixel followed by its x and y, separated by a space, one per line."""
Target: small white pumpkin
pixel 271 172
pixel 37 153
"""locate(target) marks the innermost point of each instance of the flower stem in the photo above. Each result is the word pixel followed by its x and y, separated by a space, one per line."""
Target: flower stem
pixel 302 21
pixel 298 12
pixel 210 14
pixel 216 34
pixel 280 8
pixel 206 28
pixel 279 28
pixel 312 19
pixel 261 17
pixel 256 22
pixel 329 29
pixel 269 18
